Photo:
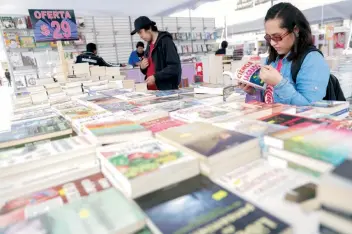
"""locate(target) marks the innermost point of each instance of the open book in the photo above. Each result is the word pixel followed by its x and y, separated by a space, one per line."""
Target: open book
pixel 248 74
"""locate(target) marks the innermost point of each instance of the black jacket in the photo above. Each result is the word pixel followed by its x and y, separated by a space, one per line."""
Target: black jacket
pixel 167 62
pixel 92 59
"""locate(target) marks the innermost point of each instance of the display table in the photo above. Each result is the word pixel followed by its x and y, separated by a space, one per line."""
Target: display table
pixel 188 71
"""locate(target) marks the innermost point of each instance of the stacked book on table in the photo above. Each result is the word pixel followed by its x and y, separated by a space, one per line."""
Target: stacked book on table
pixel 218 150
pixel 309 145
pixel 141 167
pixel 44 164
pixel 334 195
pixel 152 146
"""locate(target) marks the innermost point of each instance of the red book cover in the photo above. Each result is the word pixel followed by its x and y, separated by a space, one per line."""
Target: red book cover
pixel 162 124
pixel 289 120
pixel 41 201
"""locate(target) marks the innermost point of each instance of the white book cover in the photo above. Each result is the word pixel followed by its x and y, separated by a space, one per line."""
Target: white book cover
pixel 16 59
pixel 134 96
pixel 31 80
pixel 207 114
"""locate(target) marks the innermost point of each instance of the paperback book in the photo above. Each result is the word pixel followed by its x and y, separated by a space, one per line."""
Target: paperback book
pixel 137 167
pixel 20 22
pixel 248 74
pixel 24 132
pixel 119 130
pixel 206 208
pixel 27 42
pixel 162 124
pixel 96 213
pixel 39 202
pixel 12 40
pixel 28 59
pixel 16 59
pixel 7 23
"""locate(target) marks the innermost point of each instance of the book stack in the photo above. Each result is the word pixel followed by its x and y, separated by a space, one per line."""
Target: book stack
pixel 45 163
pixel 338 109
pixel 334 194
pixel 205 88
pixel 108 131
pixel 96 213
pixel 138 168
pixel 206 208
pixel 218 150
pixel 312 148
pixel 34 130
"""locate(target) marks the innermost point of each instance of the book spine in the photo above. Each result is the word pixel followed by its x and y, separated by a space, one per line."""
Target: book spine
pixel 323 229
pixel 340 213
pixel 335 157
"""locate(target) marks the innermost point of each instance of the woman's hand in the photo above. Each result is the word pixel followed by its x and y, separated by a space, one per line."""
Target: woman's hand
pixel 247 88
pixel 270 75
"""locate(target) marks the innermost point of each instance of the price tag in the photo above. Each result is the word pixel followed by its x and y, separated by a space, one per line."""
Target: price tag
pixel 54 25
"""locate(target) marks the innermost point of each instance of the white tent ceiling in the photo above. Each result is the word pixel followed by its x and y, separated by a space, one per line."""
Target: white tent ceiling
pixel 100 8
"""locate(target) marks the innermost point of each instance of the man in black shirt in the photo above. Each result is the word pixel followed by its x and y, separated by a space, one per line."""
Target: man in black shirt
pixel 222 51
pixel 91 57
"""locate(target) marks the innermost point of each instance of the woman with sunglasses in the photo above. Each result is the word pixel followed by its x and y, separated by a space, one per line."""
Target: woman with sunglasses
pixel 289 37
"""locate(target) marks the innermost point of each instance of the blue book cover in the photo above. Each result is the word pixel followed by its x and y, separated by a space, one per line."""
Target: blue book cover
pixel 198 205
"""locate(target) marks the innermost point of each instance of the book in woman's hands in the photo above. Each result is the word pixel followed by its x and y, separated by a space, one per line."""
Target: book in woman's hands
pixel 248 74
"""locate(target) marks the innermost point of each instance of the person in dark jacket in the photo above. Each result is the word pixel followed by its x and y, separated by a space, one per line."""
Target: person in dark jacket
pixel 137 55
pixel 222 51
pixel 161 64
pixel 91 57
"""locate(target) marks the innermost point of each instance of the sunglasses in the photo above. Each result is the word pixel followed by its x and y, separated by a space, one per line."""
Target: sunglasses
pixel 269 38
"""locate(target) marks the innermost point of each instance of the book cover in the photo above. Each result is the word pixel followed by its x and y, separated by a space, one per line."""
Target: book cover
pixel 217 142
pixel 289 120
pixel 20 22
pixel 79 113
pixel 328 104
pixel 35 127
pixel 20 81
pixel 114 127
pixel 136 159
pixel 12 40
pixel 200 113
pixel 31 80
pixel 252 127
pixel 117 106
pixel 7 23
pixel 16 59
pixel 114 92
pixel 162 124
pixel 27 42
pixel 206 208
pixel 96 213
pixel 42 44
pixel 31 205
pixel 28 59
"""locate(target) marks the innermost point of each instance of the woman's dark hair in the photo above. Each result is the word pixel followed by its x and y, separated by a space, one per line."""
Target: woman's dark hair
pixel 140 44
pixel 224 44
pixel 291 18
pixel 153 27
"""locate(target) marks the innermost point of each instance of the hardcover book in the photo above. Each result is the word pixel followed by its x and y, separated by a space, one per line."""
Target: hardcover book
pixel 206 208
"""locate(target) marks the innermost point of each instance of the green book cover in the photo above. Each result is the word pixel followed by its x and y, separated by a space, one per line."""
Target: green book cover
pixel 134 160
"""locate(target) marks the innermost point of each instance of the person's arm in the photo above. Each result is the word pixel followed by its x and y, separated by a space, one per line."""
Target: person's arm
pixel 173 63
pixel 103 63
pixel 311 82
